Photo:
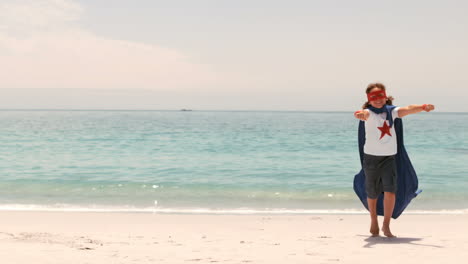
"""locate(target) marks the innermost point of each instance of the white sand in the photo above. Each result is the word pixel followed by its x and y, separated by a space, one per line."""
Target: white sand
pixel 46 237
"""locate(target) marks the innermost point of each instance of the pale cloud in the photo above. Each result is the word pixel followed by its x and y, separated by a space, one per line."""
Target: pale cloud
pixel 43 46
pixel 25 16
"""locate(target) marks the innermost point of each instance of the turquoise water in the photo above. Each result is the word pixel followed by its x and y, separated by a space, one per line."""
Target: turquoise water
pixel 213 161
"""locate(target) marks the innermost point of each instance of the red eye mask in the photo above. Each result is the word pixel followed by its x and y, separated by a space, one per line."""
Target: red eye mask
pixel 376 95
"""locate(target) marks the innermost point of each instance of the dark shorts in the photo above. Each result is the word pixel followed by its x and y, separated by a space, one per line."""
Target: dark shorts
pixel 381 175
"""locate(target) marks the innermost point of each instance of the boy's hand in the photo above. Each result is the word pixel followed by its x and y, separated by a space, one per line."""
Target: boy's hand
pixel 361 115
pixel 428 107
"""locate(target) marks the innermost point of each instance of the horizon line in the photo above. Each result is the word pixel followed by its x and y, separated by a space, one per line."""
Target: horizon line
pixel 189 110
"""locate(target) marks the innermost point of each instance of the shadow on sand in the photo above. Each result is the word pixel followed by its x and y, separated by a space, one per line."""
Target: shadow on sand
pixel 372 241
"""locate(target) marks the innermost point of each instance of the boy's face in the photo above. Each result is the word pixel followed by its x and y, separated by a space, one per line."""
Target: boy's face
pixel 380 101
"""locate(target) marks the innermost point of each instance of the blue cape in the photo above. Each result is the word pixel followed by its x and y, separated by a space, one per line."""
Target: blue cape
pixel 407 179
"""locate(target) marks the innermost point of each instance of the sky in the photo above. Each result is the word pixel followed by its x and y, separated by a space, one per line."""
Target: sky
pixel 292 55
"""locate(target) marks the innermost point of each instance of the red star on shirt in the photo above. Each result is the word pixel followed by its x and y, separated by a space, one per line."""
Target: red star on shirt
pixel 384 130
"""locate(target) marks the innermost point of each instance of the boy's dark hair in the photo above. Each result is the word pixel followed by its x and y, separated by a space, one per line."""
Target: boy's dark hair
pixel 380 86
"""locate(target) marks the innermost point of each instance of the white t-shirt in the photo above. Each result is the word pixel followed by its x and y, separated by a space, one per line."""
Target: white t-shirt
pixel 380 139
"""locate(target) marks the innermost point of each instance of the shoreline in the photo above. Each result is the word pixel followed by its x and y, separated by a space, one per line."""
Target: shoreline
pixel 214 211
pixel 86 237
pixel 206 211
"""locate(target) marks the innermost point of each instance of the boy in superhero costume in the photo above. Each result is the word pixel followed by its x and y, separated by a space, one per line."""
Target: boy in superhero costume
pixel 387 182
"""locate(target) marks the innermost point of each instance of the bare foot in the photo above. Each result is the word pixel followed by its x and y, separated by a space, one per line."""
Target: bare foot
pixel 374 230
pixel 387 232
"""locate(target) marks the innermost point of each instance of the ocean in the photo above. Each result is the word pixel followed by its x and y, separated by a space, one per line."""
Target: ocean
pixel 237 162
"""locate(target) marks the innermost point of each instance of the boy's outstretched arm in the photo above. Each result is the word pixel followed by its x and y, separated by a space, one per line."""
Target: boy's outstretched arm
pixel 362 114
pixel 413 109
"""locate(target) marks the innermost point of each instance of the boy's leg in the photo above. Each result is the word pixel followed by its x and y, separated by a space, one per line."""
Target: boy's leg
pixel 389 205
pixel 372 204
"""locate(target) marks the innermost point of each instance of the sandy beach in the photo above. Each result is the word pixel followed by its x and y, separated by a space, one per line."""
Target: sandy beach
pixel 64 237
